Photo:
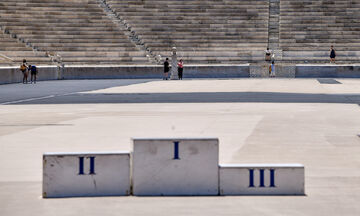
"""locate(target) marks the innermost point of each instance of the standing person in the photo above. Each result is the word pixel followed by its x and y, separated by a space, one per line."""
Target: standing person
pixel 33 71
pixel 272 69
pixel 166 69
pixel 180 69
pixel 332 54
pixel 23 69
pixel 267 54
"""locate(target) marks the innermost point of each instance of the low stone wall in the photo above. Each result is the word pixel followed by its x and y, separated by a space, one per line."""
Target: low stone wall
pixel 216 71
pixel 14 75
pixel 153 72
pixel 327 71
pixel 307 71
pixel 111 72
pixel 52 72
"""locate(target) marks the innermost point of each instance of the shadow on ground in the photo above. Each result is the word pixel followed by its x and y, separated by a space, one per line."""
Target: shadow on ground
pixel 200 97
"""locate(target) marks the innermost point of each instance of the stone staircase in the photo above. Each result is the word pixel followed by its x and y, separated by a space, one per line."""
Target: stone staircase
pixel 274 18
pixel 274 29
pixel 78 31
pixel 308 29
pixel 204 32
pixel 133 37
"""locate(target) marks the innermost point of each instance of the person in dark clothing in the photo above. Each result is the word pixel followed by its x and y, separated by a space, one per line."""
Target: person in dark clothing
pixel 180 69
pixel 166 69
pixel 33 72
pixel 332 54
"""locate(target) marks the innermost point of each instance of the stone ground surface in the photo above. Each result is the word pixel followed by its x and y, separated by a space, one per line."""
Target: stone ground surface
pixel 256 120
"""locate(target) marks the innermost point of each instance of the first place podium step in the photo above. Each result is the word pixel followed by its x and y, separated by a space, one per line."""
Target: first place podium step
pixel 175 166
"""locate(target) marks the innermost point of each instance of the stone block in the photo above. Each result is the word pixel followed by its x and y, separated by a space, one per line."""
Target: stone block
pixel 86 174
pixel 259 70
pixel 216 71
pixel 262 70
pixel 175 167
pixel 327 71
pixel 262 179
pixel 287 71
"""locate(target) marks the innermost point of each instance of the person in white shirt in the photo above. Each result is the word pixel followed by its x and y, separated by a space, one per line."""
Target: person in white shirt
pixel 267 54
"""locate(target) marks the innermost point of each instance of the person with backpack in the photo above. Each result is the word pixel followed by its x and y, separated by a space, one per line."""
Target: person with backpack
pixel 23 69
pixel 33 71
pixel 272 69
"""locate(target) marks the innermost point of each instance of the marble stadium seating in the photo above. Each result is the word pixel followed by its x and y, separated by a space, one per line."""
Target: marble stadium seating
pixel 74 32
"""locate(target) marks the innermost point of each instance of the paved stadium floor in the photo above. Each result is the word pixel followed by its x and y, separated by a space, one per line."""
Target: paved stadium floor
pixel 309 121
